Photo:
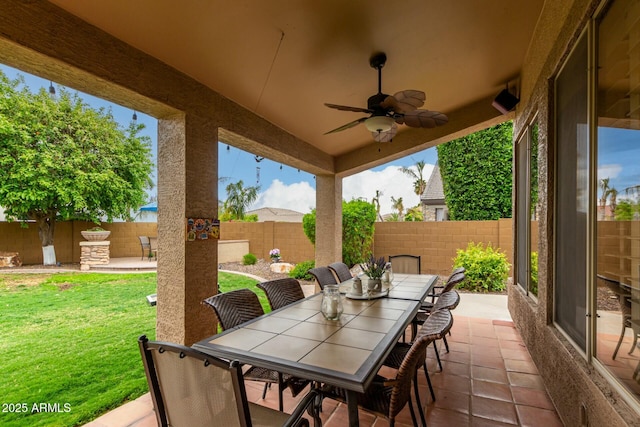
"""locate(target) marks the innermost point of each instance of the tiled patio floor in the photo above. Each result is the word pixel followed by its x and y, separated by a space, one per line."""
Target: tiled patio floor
pixel 488 380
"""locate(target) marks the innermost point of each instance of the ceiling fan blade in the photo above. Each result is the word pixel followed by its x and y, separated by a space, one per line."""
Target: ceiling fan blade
pixel 423 119
pixel 385 136
pixel 408 100
pixel 348 125
pixel 347 108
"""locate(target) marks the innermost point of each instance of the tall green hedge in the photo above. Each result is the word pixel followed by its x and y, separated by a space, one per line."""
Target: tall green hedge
pixel 358 219
pixel 476 174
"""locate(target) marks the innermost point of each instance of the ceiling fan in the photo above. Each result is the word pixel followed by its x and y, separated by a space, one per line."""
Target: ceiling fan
pixel 387 111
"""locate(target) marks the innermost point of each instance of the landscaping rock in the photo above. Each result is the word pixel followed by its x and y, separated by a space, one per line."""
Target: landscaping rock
pixel 10 259
pixel 281 267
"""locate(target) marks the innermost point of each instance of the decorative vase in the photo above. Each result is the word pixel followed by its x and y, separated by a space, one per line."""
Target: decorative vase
pixel 275 259
pixel 374 285
pixel 95 236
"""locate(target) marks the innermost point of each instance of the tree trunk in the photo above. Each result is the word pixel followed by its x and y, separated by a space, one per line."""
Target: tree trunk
pixel 46 226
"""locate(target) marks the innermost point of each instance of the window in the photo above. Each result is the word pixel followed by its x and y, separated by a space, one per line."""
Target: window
pixel 572 191
pixel 617 202
pixel 527 210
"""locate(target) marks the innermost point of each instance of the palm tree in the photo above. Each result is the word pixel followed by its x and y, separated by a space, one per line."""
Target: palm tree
pixel 419 183
pixel 613 200
pixel 604 186
pixel 376 203
pixel 239 198
pixel 397 204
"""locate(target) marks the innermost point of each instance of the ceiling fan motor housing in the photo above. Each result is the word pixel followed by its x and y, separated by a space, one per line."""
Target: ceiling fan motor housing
pixel 373 103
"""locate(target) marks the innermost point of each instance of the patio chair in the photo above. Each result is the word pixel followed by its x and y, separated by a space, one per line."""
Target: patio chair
pixel 453 281
pixel 624 301
pixel 341 271
pixel 144 245
pixel 435 329
pixel 407 264
pixel 282 292
pixel 456 275
pixel 191 388
pixel 237 307
pixel 448 300
pixel 153 247
pixel 323 276
pixel 388 396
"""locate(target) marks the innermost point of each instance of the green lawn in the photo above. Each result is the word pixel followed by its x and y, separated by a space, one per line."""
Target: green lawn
pixel 70 340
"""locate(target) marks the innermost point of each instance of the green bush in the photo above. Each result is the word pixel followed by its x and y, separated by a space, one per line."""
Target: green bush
pixel 249 259
pixel 358 219
pixel 534 274
pixel 300 270
pixel 486 268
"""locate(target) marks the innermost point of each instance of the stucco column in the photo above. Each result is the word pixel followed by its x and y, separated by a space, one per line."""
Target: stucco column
pixel 187 188
pixel 328 219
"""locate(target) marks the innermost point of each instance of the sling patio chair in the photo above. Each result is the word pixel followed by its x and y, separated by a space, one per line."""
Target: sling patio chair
pixel 191 388
pixel 237 307
pixel 144 245
pixel 407 264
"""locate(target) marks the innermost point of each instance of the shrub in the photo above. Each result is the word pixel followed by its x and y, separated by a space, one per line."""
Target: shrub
pixel 249 259
pixel 534 273
pixel 358 219
pixel 486 268
pixel 300 270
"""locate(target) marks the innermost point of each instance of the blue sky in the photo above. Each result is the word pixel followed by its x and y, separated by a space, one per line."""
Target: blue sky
pixel 281 186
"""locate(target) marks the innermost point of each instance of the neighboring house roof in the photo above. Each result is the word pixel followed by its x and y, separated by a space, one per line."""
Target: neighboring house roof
pixel 276 214
pixel 151 207
pixel 433 193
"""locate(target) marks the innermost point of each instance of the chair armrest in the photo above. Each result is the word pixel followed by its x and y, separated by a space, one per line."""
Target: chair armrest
pixel 308 402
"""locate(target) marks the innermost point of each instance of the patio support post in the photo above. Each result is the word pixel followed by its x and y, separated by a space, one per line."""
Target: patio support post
pixel 328 219
pixel 187 188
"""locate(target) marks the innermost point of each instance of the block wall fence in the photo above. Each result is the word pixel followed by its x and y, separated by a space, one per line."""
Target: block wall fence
pixel 435 242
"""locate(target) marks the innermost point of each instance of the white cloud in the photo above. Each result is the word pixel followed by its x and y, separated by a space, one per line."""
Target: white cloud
pixel 609 171
pixel 390 181
pixel 299 196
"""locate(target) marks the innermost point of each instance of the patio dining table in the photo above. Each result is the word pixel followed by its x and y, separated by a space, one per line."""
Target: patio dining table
pixel 345 353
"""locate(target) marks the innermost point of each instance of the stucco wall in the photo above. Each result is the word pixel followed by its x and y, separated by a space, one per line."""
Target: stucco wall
pixel 580 393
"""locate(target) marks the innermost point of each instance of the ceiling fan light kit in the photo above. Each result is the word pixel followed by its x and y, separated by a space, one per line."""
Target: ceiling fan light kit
pixel 379 123
pixel 387 111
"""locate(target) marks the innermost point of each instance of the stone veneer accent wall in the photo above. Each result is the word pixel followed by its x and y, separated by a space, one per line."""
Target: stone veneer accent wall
pixel 94 253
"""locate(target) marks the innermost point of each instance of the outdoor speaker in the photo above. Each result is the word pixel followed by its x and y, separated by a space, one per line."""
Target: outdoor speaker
pixel 505 101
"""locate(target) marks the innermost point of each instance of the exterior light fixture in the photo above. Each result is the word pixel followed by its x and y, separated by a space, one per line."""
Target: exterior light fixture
pixel 134 117
pixel 379 123
pixel 52 90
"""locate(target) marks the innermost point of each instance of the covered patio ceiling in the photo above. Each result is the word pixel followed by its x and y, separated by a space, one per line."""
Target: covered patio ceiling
pixel 284 59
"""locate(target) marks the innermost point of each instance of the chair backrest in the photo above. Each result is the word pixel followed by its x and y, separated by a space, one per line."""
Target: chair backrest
pixel 453 281
pixel 153 243
pixel 190 388
pixel 235 307
pixel 447 300
pixel 457 270
pixel 341 270
pixel 401 391
pixel 408 264
pixel 144 241
pixel 282 292
pixel 437 324
pixel 323 276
